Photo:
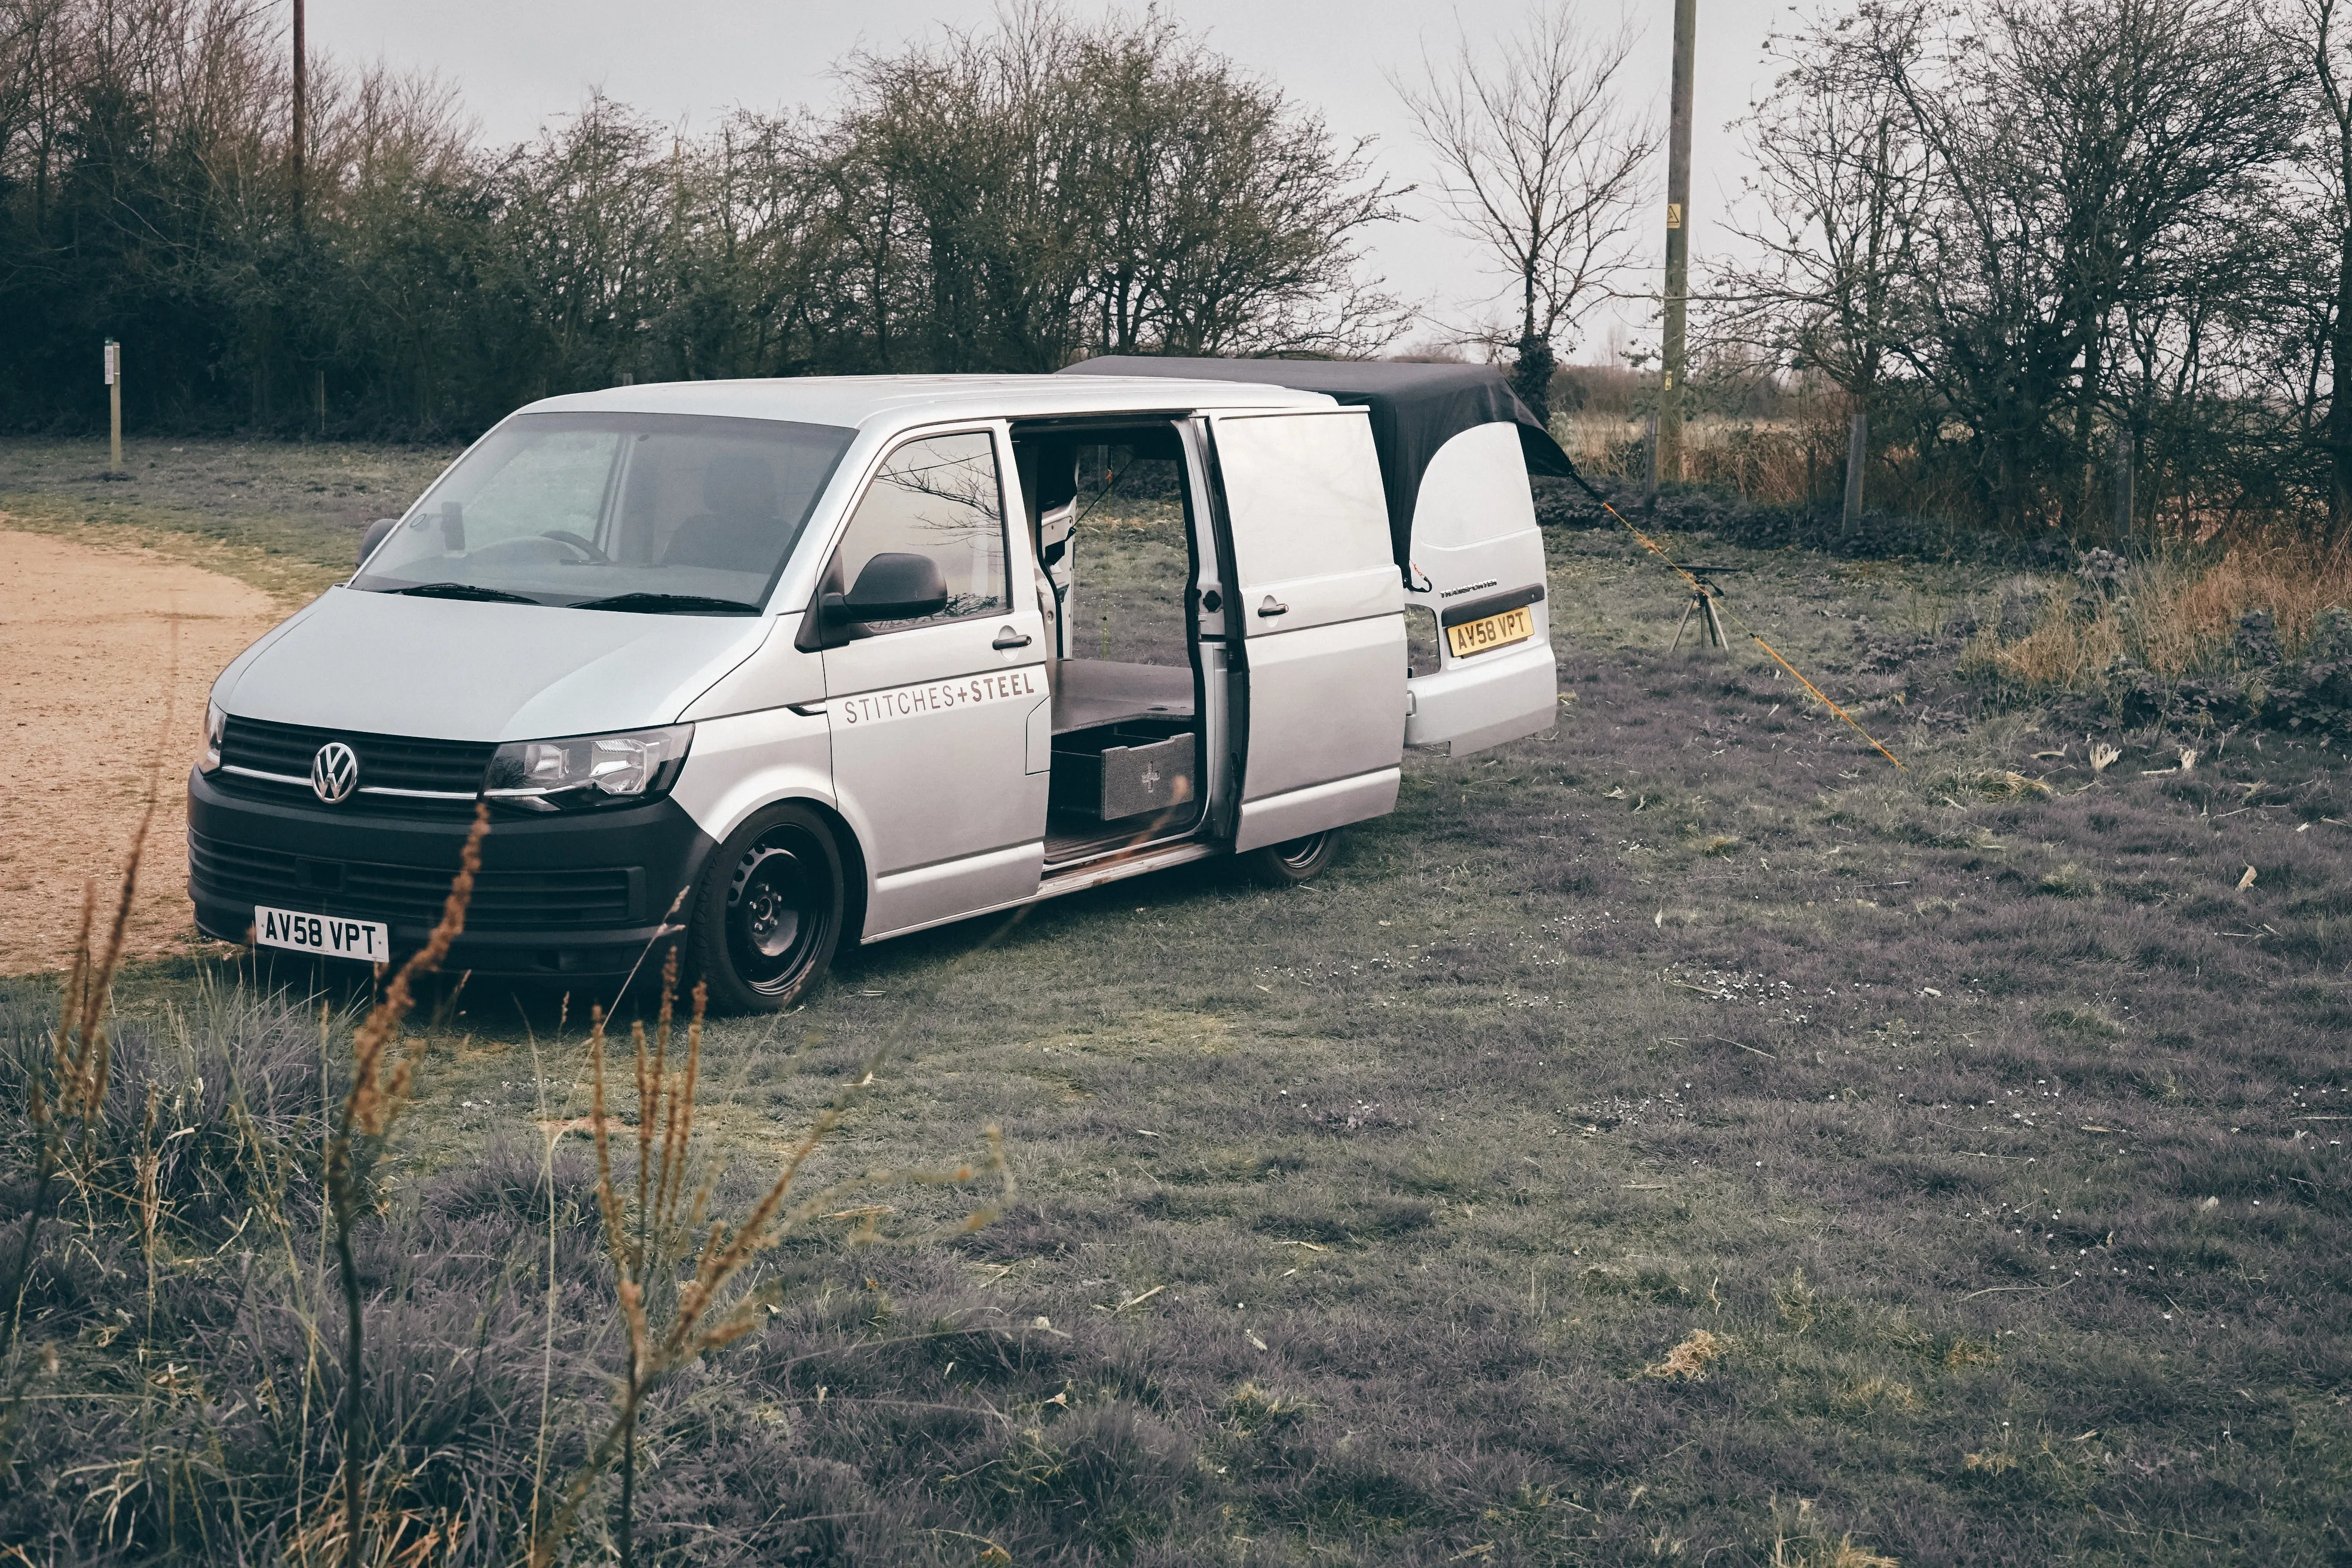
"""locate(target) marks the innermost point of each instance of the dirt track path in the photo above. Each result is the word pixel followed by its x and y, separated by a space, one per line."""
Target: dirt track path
pixel 89 638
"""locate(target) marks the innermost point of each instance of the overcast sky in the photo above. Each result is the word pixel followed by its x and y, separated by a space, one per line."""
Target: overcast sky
pixel 519 63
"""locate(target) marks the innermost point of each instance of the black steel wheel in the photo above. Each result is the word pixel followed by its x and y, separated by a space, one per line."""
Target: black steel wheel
pixel 769 915
pixel 1281 865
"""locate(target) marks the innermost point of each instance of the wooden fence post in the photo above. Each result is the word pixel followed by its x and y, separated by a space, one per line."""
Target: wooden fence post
pixel 2125 454
pixel 1650 459
pixel 114 404
pixel 1857 457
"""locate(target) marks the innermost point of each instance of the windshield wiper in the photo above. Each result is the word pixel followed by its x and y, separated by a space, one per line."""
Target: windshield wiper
pixel 669 603
pixel 461 591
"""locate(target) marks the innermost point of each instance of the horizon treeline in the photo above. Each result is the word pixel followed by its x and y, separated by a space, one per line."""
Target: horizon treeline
pixel 1011 199
pixel 2036 242
pixel 2039 241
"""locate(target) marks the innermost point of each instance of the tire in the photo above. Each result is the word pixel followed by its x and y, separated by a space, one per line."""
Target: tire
pixel 769 913
pixel 1281 865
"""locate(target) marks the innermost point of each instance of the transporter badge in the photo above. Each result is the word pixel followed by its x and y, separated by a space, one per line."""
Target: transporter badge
pixel 334 772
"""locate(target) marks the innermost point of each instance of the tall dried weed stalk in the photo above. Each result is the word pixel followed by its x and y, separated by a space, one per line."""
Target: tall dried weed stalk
pixel 375 1101
pixel 65 1127
pixel 673 1313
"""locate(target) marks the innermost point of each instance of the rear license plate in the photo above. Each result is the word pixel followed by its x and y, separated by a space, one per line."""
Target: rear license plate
pixel 1490 632
pixel 326 935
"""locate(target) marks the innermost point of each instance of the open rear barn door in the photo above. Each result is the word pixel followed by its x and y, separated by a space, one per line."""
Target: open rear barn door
pixel 1478 563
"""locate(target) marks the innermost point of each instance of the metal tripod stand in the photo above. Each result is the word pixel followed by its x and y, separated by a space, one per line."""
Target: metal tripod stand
pixel 1702 604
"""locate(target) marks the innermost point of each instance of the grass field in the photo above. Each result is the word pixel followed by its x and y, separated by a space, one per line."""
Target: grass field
pixel 287 518
pixel 1680 1137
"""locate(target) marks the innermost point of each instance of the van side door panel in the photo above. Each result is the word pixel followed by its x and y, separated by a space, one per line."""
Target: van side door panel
pixel 1318 604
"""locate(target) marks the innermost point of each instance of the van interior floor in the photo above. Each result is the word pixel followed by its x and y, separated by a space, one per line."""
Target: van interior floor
pixel 1125 750
pixel 1090 693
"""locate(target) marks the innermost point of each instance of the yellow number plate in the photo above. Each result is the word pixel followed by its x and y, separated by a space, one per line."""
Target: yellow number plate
pixel 1491 632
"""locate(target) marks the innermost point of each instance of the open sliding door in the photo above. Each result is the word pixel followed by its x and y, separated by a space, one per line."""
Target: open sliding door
pixel 1319 607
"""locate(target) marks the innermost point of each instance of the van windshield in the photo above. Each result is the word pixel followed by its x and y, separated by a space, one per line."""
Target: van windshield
pixel 656 512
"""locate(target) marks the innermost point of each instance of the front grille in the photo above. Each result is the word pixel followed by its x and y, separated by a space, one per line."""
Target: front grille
pixel 407 807
pixel 594 898
pixel 386 762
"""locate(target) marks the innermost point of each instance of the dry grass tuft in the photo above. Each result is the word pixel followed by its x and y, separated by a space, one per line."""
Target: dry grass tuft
pixel 1798 1303
pixel 1838 1553
pixel 1689 1359
pixel 1798 1541
pixel 2174 615
pixel 2063 652
pixel 2009 784
pixel 2070 881
pixel 2184 615
pixel 1802 1543
pixel 1879 1393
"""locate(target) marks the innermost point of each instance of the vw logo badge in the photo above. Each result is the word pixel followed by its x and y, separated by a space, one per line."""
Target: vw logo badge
pixel 334 772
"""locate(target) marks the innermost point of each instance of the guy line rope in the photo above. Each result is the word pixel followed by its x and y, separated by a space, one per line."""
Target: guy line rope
pixel 1653 546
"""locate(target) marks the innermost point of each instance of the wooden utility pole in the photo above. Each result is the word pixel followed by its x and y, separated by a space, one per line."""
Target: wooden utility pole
pixel 1678 162
pixel 301 109
pixel 114 404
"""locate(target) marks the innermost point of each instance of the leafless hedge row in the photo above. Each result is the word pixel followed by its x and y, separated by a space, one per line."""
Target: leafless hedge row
pixel 2023 233
pixel 2025 236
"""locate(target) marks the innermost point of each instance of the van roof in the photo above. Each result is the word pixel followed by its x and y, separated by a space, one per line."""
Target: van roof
pixel 863 401
pixel 1415 410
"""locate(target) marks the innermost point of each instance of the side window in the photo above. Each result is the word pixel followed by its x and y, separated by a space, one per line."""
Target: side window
pixel 936 497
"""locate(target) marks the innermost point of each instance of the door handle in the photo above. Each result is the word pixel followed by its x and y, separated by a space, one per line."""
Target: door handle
pixel 1273 606
pixel 1010 637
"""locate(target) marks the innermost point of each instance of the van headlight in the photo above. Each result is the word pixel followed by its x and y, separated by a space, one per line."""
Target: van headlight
pixel 215 724
pixel 588 770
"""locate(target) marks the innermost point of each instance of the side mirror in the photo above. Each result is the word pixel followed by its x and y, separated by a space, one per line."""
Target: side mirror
pixel 377 532
pixel 894 585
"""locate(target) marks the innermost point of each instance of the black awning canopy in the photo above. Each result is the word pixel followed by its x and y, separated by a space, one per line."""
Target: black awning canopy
pixel 1415 409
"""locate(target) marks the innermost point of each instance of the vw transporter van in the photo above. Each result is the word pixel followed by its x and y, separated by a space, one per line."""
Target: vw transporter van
pixel 750 667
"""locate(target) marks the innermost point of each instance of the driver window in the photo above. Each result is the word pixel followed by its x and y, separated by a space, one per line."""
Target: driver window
pixel 937 497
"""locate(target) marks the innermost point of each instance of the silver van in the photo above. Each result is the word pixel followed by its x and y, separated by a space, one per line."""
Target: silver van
pixel 751 666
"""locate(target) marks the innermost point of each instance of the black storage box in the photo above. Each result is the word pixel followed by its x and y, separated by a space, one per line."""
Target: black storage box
pixel 1127 776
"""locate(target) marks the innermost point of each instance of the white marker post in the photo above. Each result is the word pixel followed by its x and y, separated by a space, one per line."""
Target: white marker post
pixel 115 402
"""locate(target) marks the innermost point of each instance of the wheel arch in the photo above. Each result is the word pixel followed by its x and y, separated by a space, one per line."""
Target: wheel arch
pixel 854 867
pixel 856 870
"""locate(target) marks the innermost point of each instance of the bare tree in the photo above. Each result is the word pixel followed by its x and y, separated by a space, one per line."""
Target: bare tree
pixel 2319 36
pixel 1839 189
pixel 1059 186
pixel 1542 167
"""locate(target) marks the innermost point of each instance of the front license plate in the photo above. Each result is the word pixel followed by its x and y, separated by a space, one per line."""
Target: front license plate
pixel 324 934
pixel 1491 632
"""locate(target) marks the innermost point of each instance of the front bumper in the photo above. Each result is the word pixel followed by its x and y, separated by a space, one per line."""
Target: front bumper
pixel 578 894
